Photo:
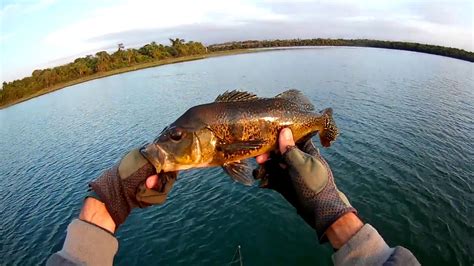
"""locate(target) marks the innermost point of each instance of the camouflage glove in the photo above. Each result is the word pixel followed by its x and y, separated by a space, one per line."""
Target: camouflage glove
pixel 306 181
pixel 123 188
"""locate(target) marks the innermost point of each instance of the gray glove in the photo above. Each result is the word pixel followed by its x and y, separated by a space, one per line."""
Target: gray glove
pixel 308 184
pixel 123 188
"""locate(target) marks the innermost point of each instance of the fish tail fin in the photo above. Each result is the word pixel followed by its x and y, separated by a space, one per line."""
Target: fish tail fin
pixel 330 131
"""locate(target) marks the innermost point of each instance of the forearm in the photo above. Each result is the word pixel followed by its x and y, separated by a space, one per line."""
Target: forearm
pixel 85 244
pixel 89 240
pixel 94 211
pixel 343 229
pixel 360 244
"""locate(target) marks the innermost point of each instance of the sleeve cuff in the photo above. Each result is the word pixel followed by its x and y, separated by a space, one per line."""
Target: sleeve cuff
pixel 366 247
pixel 89 244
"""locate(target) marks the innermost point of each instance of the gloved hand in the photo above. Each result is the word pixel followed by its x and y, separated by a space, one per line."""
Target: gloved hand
pixel 304 178
pixel 123 187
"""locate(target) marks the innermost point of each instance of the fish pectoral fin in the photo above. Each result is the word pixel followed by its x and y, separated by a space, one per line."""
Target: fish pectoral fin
pixel 297 97
pixel 235 96
pixel 240 172
pixel 241 147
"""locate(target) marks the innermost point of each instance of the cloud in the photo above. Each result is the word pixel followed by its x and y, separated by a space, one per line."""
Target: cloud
pixel 302 19
pixel 454 12
pixel 67 34
pixel 137 22
pixel 448 23
pixel 133 16
pixel 9 9
pixel 17 9
pixel 5 37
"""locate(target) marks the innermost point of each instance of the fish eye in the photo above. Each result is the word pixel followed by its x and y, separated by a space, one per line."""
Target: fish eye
pixel 176 134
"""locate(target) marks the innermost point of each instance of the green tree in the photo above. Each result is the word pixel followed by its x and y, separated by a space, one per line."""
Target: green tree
pixel 103 61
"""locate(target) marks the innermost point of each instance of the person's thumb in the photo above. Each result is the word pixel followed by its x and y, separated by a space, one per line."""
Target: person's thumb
pixel 152 181
pixel 285 139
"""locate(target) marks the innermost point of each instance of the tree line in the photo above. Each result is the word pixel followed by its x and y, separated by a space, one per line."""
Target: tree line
pixel 101 62
pixel 408 46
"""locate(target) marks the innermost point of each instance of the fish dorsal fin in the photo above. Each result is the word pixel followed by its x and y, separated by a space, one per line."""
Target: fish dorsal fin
pixel 297 97
pixel 235 96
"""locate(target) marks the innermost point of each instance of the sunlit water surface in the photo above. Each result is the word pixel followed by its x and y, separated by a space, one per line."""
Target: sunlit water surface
pixel 404 157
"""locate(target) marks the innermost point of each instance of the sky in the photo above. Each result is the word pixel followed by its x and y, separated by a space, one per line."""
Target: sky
pixel 37 34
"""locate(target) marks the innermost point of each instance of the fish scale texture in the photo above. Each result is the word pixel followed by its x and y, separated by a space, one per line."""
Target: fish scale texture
pixel 326 206
pixel 118 193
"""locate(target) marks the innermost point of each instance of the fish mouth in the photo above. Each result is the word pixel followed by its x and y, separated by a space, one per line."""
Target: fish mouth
pixel 155 155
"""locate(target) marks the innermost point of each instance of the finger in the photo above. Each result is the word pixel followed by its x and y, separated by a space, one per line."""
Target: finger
pixel 262 158
pixel 152 181
pixel 285 139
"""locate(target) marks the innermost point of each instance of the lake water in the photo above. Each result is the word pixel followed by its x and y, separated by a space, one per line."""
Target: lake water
pixel 404 158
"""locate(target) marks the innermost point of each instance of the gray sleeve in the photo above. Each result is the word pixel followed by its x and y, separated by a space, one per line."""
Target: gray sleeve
pixel 367 247
pixel 85 244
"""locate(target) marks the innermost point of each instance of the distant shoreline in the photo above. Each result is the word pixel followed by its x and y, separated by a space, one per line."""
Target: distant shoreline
pixel 190 51
pixel 127 69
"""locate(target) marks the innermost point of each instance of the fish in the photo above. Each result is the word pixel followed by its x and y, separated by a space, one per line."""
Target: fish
pixel 237 126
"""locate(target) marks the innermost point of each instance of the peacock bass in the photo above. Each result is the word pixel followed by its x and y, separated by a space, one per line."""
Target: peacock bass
pixel 235 127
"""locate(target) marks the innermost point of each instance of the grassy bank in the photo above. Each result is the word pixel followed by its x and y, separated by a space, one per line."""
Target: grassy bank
pixel 123 70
